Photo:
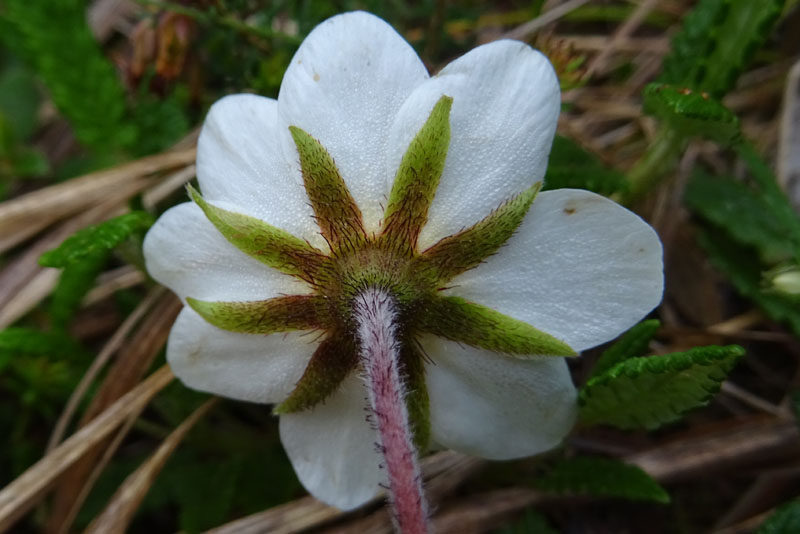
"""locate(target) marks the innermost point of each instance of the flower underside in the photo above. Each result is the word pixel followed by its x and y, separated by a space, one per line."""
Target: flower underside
pixel 388 259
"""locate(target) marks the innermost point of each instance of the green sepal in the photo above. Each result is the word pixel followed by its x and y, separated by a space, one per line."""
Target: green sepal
pixel 337 214
pixel 459 252
pixel 601 477
pixel 272 246
pixel 692 113
pixel 465 322
pixel 417 400
pixel 335 358
pixel 280 314
pixel 785 520
pixel 633 343
pixel 648 392
pixel 417 179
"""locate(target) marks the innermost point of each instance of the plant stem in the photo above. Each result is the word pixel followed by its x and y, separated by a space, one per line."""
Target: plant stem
pixel 657 161
pixel 376 317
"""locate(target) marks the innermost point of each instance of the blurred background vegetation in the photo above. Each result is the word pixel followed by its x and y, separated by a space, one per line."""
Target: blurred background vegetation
pixel 678 108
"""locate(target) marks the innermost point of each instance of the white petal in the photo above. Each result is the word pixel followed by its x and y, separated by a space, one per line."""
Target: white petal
pixel 505 107
pixel 247 367
pixel 495 406
pixel 332 448
pixel 344 87
pixel 240 161
pixel 580 267
pixel 186 253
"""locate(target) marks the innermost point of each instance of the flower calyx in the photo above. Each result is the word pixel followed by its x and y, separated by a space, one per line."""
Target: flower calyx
pixel 388 259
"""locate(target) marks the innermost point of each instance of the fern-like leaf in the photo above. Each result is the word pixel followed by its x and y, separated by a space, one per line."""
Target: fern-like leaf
pixel 716 43
pixel 647 392
pixel 692 113
pixel 90 241
pixel 633 343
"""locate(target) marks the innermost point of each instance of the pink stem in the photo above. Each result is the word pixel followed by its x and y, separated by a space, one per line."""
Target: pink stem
pixel 376 315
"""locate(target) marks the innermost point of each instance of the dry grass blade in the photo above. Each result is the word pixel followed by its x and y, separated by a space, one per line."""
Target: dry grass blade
pixel 23 283
pixel 25 215
pixel 133 360
pixel 527 30
pixel 126 500
pixel 19 496
pixel 105 354
pixel 751 440
pixel 291 517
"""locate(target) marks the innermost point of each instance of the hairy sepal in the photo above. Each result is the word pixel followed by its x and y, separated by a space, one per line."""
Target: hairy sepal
pixel 457 253
pixel 335 358
pixel 272 246
pixel 465 322
pixel 336 212
pixel 417 179
pixel 280 314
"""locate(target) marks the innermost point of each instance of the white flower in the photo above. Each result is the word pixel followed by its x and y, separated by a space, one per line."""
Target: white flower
pixel 579 267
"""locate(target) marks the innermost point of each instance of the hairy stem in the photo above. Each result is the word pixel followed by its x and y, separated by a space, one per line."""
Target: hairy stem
pixel 376 316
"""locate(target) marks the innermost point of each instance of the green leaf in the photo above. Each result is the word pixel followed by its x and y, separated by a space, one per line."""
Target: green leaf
pixel 20 343
pixel 159 123
pixel 100 238
pixel 19 100
pixel 28 162
pixel 205 496
pixel 741 211
pixel 570 166
pixel 648 392
pixel 692 113
pixel 634 343
pixel 54 38
pixel 74 283
pixel 740 264
pixel 772 194
pixel 785 520
pixel 716 43
pixel 602 477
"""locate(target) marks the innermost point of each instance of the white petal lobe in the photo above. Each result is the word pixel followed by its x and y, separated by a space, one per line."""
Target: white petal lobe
pixel 506 101
pixel 332 448
pixel 246 367
pixel 240 161
pixel 344 87
pixel 580 267
pixel 186 253
pixel 494 406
